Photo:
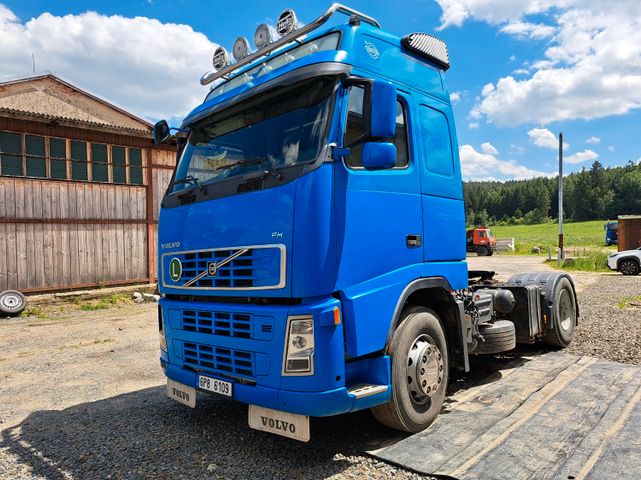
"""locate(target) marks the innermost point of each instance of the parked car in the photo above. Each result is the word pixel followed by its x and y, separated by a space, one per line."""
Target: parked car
pixel 627 262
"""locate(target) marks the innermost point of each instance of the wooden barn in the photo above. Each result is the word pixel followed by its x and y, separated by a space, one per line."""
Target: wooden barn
pixel 80 188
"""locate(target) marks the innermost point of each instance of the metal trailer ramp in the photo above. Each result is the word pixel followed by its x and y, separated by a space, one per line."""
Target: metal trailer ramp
pixel 548 416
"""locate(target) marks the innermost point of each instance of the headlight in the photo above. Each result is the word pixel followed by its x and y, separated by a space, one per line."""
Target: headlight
pixel 241 48
pixel 287 22
pixel 299 346
pixel 161 331
pixel 220 59
pixel 263 36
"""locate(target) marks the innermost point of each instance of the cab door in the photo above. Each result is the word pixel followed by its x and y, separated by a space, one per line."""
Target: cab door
pixel 377 211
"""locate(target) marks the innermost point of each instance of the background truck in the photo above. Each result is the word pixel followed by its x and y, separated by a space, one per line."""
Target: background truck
pixel 481 241
pixel 611 233
pixel 300 269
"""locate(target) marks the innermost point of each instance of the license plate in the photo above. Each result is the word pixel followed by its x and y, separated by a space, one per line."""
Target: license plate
pixel 286 424
pixel 215 385
pixel 181 393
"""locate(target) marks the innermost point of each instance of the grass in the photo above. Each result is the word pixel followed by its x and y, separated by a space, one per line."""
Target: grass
pixel 589 262
pixel 544 235
pixel 627 302
pixel 35 311
pixel 104 302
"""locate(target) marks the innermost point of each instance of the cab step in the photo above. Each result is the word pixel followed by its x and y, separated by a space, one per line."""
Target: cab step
pixel 362 390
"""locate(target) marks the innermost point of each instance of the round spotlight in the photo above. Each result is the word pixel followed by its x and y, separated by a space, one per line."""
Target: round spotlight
pixel 263 36
pixel 220 59
pixel 241 48
pixel 287 22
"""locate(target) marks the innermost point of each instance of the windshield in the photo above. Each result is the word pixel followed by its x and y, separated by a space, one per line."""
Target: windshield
pixel 265 133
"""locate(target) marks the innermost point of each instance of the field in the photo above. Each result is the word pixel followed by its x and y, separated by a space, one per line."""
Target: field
pixel 585 235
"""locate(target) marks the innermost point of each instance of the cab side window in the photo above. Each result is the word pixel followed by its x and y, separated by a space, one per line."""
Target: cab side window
pixel 355 127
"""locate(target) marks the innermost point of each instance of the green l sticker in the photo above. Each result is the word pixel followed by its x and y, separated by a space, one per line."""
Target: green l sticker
pixel 175 269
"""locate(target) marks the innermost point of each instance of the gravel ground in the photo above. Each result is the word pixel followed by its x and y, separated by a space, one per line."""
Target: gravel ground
pixel 607 329
pixel 83 397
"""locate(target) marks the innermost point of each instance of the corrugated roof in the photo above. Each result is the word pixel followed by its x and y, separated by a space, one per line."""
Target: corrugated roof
pixel 45 101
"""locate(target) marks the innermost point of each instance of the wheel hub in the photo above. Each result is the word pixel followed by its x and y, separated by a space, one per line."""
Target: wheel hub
pixel 11 301
pixel 424 369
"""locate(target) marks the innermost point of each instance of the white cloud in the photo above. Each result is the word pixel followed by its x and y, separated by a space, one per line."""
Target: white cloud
pixel 488 148
pixel 517 149
pixel 528 30
pixel 591 68
pixel 612 148
pixel 580 157
pixel 520 71
pixel 473 125
pixel 455 97
pixel 149 68
pixel 593 140
pixel 512 58
pixel 542 137
pixel 477 165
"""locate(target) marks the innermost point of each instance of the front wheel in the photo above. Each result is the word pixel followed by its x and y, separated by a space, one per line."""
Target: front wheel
pixel 629 267
pixel 482 251
pixel 420 371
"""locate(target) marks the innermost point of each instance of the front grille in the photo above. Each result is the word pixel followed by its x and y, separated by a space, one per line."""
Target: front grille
pixel 218 359
pixel 250 268
pixel 217 323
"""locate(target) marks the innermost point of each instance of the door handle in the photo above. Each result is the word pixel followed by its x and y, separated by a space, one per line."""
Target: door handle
pixel 413 241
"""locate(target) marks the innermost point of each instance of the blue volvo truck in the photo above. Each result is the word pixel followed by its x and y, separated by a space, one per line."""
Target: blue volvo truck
pixel 312 238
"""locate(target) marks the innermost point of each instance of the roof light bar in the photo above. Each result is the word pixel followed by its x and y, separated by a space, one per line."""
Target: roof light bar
pixel 209 77
pixel 428 46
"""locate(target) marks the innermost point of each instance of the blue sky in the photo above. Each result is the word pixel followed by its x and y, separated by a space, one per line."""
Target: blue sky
pixel 522 70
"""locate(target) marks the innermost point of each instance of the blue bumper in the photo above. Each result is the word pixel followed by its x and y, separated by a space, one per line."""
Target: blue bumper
pixel 253 361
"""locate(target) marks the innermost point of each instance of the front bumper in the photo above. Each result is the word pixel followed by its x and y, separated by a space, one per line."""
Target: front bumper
pixel 612 263
pixel 263 383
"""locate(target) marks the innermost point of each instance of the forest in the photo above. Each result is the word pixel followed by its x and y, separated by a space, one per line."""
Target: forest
pixel 592 194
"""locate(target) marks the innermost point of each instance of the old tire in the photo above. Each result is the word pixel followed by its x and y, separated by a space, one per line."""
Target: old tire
pixel 482 251
pixel 12 303
pixel 420 371
pixel 629 266
pixel 499 336
pixel 564 308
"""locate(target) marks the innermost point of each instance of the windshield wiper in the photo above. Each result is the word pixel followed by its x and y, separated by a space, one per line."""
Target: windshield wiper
pixel 190 179
pixel 262 161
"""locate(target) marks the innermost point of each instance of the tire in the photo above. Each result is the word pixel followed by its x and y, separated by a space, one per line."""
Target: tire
pixel 490 253
pixel 500 336
pixel 12 303
pixel 419 339
pixel 564 308
pixel 629 266
pixel 482 251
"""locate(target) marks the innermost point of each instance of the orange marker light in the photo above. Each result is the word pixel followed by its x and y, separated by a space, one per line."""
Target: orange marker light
pixel 337 316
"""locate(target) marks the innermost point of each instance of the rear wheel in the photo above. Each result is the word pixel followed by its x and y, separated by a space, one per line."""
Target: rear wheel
pixel 482 251
pixel 564 316
pixel 420 367
pixel 629 267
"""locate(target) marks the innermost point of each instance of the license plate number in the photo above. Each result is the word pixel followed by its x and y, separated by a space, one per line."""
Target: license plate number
pixel 215 385
pixel 281 423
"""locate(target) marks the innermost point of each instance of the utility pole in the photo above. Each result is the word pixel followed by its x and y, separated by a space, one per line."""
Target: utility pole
pixel 561 255
pixel 33 61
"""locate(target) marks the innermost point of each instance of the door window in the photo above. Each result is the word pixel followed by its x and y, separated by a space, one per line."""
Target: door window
pixel 355 127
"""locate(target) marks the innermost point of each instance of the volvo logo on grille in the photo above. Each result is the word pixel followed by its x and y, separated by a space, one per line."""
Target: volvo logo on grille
pixel 212 269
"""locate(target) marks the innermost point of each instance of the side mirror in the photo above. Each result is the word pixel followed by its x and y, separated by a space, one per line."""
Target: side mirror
pixel 383 110
pixel 378 155
pixel 161 132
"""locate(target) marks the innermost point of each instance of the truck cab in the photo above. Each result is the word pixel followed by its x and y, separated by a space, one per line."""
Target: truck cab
pixel 300 267
pixel 480 240
pixel 611 233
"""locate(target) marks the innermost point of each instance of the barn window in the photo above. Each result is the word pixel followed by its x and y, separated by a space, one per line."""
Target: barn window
pixel 58 154
pixel 119 161
pixel 36 160
pixel 10 154
pixel 78 160
pixel 99 163
pixel 135 166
